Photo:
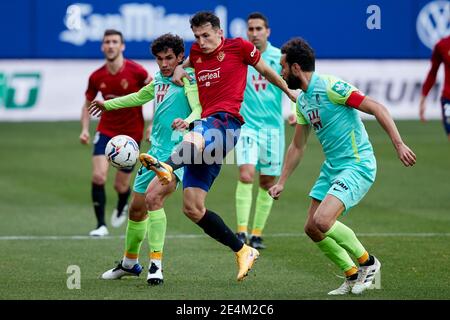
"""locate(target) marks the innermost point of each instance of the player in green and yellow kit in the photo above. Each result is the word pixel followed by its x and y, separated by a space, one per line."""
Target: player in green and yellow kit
pixel 261 144
pixel 329 106
pixel 175 108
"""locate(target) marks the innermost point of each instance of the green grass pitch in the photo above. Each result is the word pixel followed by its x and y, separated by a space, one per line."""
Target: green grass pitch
pixel 45 191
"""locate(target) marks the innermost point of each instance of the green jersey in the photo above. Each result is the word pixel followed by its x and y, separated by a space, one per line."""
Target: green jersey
pixel 171 102
pixel 338 127
pixel 262 106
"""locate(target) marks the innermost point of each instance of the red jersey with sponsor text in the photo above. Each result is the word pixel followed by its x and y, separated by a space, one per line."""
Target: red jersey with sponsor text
pixel 222 75
pixel 130 78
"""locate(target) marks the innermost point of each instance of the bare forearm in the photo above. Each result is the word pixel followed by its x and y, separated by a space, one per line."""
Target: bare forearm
pixel 85 116
pixel 384 118
pixel 276 79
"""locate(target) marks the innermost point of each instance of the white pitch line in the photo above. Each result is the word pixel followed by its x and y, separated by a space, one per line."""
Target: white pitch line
pixel 194 236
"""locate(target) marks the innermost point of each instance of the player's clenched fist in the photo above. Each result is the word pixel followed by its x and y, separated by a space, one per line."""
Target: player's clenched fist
pixel 275 191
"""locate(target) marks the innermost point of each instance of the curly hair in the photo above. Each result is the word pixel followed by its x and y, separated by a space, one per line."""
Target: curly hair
pixel 168 41
pixel 298 51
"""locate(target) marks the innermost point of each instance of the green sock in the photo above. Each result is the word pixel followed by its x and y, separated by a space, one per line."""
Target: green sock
pixel 262 210
pixel 243 204
pixel 346 238
pixel 134 236
pixel 336 253
pixel 157 224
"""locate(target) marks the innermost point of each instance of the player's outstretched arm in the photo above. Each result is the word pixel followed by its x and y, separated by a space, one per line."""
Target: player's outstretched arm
pixel 96 108
pixel 370 106
pixel 293 157
pixel 139 98
pixel 274 78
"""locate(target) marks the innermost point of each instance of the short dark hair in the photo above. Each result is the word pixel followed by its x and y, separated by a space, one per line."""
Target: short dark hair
pixel 112 32
pixel 168 41
pixel 259 15
pixel 299 51
pixel 203 17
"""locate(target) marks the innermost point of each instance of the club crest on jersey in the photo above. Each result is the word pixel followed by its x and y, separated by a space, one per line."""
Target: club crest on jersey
pixel 161 92
pixel 314 119
pixel 124 83
pixel 221 56
pixel 259 82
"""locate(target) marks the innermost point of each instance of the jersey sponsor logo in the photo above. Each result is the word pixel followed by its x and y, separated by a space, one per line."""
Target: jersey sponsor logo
pixel 259 82
pixel 221 56
pixel 208 77
pixel 252 54
pixel 341 88
pixel 102 86
pixel 161 92
pixel 314 119
pixel 124 83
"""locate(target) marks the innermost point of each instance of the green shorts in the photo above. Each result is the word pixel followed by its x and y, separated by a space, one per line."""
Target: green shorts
pixel 347 183
pixel 262 148
pixel 144 176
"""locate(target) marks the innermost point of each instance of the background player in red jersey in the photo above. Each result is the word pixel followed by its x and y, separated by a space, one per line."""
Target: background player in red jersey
pixel 441 54
pixel 221 71
pixel 117 77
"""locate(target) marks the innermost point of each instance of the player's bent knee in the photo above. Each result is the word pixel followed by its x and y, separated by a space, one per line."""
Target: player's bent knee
pixel 246 178
pixel 137 212
pixel 154 201
pixel 310 230
pixel 321 223
pixel 192 212
pixel 121 188
pixel 99 179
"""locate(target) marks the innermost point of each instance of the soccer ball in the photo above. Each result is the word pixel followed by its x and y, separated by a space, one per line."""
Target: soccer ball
pixel 122 151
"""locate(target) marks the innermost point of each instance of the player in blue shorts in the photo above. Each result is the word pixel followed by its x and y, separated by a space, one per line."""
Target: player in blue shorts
pixel 329 106
pixel 220 69
pixel 175 108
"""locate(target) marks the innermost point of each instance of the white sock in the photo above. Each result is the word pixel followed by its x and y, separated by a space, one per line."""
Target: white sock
pixel 128 263
pixel 157 262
